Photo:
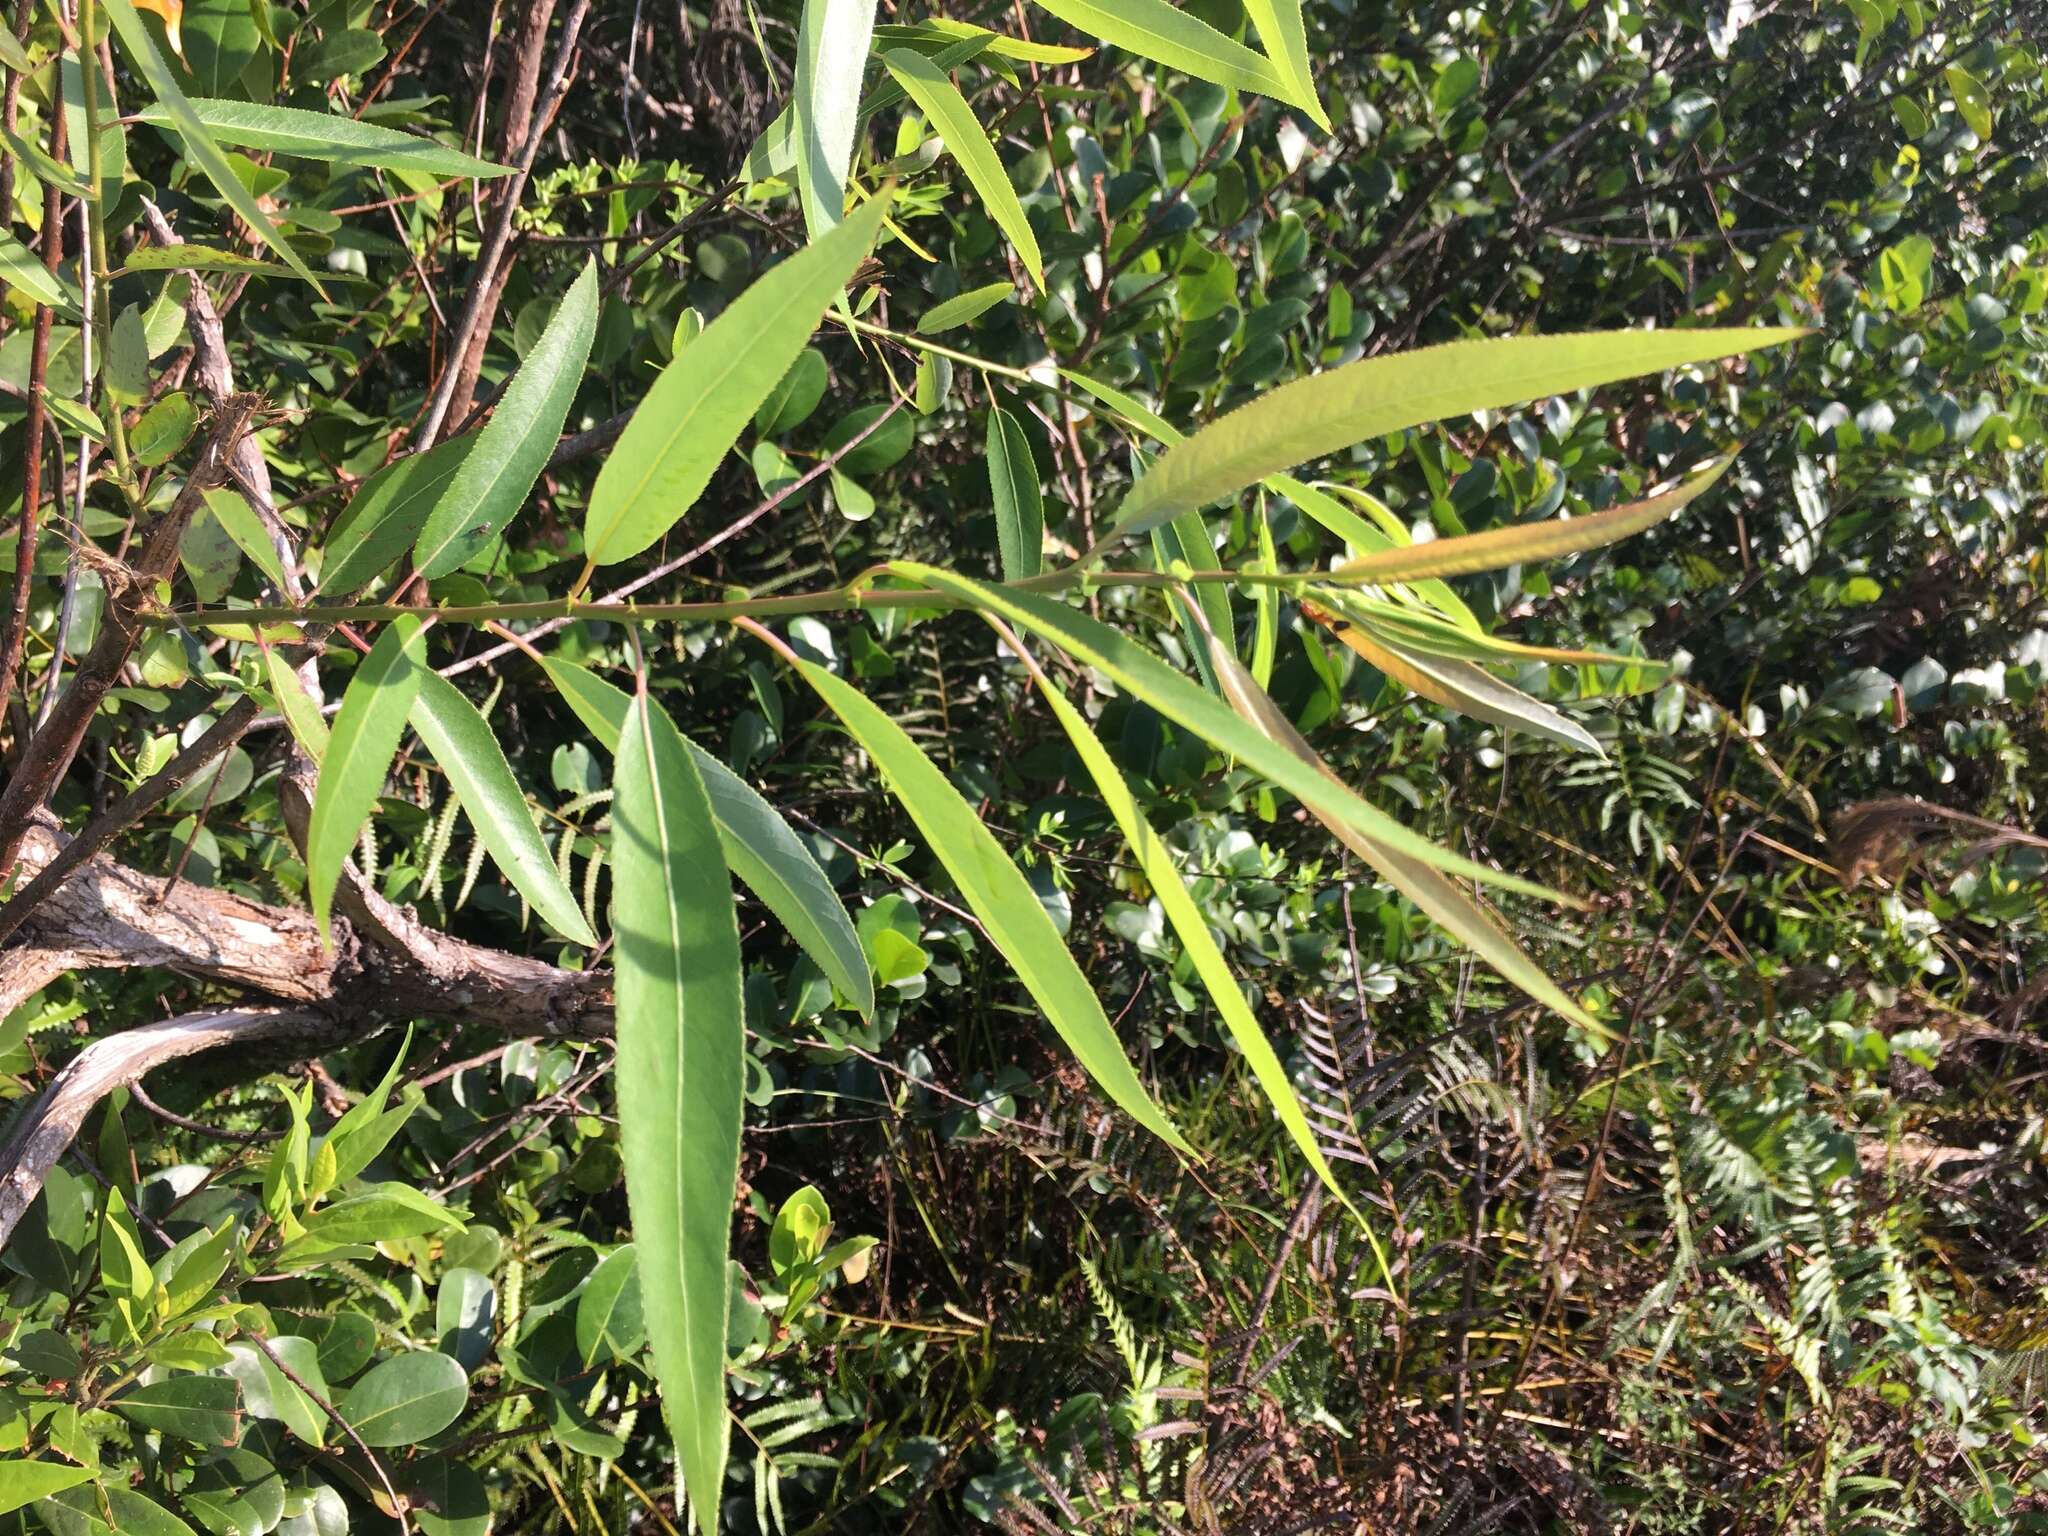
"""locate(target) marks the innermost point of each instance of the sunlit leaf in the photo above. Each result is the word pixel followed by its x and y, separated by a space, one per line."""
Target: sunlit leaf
pixel 1327 412
pixel 831 55
pixel 704 399
pixel 325 136
pixel 681 1034
pixel 941 102
pixel 1153 29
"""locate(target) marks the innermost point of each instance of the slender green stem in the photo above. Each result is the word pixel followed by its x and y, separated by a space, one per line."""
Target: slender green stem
pixel 96 222
pixel 854 596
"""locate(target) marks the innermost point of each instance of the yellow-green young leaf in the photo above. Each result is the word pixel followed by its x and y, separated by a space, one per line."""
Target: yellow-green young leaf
pixel 124 1272
pixel 20 268
pixel 962 308
pixel 456 732
pixel 1327 412
pixel 703 400
pixel 1529 542
pixel 998 893
pixel 831 54
pixel 1153 29
pixel 1163 875
pixel 192 133
pixel 1416 629
pixel 1151 681
pixel 939 30
pixel 301 715
pixel 1469 689
pixel 490 485
pixel 682 1038
pixel 23 1482
pixel 231 509
pixel 759 846
pixel 941 102
pixel 328 137
pixel 1443 900
pixel 1013 487
pixel 198 258
pixel 1382 532
pixel 1286 39
pixel 359 753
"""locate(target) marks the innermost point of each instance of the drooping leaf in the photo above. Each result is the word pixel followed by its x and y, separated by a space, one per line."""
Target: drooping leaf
pixel 681 1034
pixel 325 136
pixel 1153 29
pixel 193 134
pixel 1013 487
pixel 703 400
pixel 1163 876
pixel 490 484
pixel 456 732
pixel 406 1399
pixel 941 102
pixel 1147 678
pixel 387 513
pixel 1330 411
pixel 1442 899
pixel 999 895
pixel 832 45
pixel 759 846
pixel 359 753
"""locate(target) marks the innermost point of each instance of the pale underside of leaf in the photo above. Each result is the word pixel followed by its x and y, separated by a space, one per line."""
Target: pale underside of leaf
pixel 831 56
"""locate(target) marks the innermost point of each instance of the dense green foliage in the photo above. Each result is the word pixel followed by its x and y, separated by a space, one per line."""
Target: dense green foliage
pixel 1749 1239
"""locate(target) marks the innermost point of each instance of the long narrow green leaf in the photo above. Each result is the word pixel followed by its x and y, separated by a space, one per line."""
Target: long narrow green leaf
pixel 325 136
pixel 704 399
pixel 1163 875
pixel 387 513
pixel 1362 537
pixel 1013 490
pixel 1153 29
pixel 491 484
pixel 456 732
pixel 1286 40
pixel 1530 542
pixel 1327 412
pixel 1447 906
pixel 198 142
pixel 940 101
pixel 759 845
pixel 359 753
pixel 1147 678
pixel 682 1040
pixel 999 895
pixel 832 46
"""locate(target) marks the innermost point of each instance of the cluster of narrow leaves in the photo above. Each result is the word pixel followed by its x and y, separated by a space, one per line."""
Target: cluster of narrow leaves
pixel 683 822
